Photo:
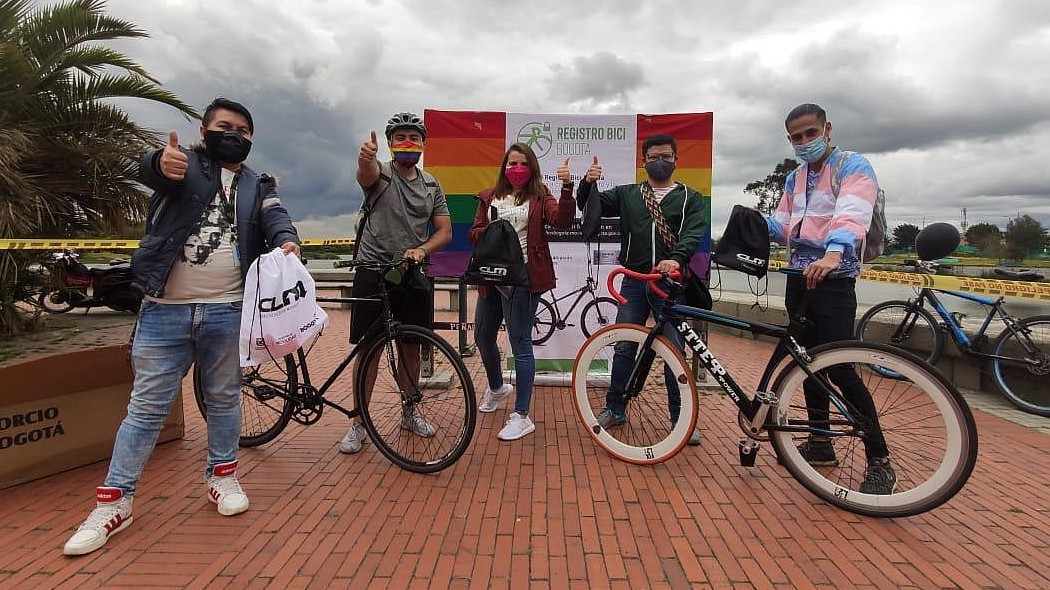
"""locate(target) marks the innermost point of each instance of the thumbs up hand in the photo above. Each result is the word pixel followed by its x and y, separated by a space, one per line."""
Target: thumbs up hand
pixel 369 149
pixel 594 172
pixel 173 162
pixel 563 172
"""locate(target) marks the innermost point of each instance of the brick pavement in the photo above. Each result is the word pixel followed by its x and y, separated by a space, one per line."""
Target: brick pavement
pixel 549 511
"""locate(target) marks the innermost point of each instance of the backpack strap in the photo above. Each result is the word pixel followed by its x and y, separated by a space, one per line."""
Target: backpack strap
pixel 836 172
pixel 371 196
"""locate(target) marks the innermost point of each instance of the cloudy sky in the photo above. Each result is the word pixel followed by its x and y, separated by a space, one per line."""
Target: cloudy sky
pixel 950 99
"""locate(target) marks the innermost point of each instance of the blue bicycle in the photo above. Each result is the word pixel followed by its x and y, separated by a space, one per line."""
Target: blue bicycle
pixel 1019 355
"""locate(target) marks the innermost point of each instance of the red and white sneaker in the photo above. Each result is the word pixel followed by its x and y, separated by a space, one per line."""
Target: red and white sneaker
pixel 111 515
pixel 225 490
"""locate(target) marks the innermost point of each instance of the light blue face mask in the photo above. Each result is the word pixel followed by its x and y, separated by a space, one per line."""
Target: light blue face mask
pixel 812 151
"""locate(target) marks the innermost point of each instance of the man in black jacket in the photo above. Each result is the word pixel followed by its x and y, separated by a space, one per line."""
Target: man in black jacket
pixel 210 217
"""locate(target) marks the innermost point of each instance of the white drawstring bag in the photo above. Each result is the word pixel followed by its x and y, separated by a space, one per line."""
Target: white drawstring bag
pixel 280 311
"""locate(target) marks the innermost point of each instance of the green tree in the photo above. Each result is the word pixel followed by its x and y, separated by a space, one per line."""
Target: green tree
pixel 1024 235
pixel 904 236
pixel 771 188
pixel 67 154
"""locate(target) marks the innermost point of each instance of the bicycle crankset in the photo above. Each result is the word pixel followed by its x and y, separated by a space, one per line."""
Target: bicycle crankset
pixel 308 406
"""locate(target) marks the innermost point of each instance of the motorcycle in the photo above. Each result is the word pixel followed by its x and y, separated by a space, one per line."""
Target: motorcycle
pixel 110 287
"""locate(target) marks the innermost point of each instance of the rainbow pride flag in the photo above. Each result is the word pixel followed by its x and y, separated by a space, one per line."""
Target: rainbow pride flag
pixel 464 150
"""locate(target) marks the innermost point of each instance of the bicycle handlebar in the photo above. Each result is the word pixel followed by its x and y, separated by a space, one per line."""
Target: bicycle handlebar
pixel 650 278
pixel 377 266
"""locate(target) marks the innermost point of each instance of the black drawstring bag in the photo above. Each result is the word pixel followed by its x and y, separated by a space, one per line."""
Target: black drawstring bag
pixel 497 258
pixel 745 244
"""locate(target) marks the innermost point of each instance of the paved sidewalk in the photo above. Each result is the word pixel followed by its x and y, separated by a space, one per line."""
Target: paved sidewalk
pixel 549 511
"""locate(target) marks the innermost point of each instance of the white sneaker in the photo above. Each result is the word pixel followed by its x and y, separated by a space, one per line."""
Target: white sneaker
pixel 225 490
pixel 111 515
pixel 355 437
pixel 490 402
pixel 411 420
pixel 517 426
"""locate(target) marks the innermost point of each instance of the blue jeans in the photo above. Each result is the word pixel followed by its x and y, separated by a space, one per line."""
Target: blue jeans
pixel 519 311
pixel 640 303
pixel 168 339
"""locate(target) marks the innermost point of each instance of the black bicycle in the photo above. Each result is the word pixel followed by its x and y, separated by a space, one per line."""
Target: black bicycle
pixel 405 376
pixel 596 314
pixel 927 425
pixel 1020 354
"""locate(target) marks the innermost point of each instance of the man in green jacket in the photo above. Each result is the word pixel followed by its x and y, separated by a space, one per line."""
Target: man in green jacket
pixel 662 222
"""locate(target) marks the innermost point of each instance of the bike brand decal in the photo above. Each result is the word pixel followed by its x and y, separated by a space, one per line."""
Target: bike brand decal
pixel 697 344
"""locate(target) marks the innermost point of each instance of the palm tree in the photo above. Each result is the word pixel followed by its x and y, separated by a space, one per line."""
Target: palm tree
pixel 67 153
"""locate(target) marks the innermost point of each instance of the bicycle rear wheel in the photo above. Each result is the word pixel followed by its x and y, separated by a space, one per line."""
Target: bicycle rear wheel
pixel 1024 374
pixel 546 318
pixel 904 325
pixel 421 419
pixel 928 428
pixel 265 407
pixel 597 314
pixel 650 434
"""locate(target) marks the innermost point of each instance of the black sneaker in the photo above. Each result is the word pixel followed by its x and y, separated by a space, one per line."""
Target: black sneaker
pixel 879 478
pixel 818 453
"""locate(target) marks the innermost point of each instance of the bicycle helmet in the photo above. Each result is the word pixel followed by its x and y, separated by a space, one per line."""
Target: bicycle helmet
pixel 405 121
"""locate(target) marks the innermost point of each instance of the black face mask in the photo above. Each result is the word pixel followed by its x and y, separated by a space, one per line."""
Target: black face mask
pixel 228 147
pixel 659 170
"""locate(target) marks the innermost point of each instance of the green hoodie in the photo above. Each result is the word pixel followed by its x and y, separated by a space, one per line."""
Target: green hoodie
pixel 687 214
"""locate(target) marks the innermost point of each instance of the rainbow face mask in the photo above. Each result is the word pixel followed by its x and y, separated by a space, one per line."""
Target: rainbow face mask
pixel 407 153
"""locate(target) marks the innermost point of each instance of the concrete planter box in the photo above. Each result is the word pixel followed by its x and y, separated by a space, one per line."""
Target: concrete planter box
pixel 61 412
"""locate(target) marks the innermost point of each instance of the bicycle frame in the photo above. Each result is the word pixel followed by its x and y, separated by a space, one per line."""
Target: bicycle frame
pixel 383 327
pixel 753 409
pixel 588 288
pixel 962 341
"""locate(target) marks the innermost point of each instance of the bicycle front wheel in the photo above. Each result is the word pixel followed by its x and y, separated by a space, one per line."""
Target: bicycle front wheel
pixel 904 325
pixel 546 318
pixel 659 420
pixel 1022 364
pixel 597 314
pixel 928 427
pixel 265 407
pixel 416 399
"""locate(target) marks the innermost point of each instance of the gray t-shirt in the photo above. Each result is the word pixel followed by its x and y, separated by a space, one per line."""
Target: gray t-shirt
pixel 401 216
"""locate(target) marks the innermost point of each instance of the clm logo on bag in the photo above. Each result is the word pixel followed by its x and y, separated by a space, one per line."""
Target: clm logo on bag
pixel 750 259
pixel 495 271
pixel 269 304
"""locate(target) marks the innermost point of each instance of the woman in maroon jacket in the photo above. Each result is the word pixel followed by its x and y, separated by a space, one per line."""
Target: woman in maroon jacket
pixel 521 198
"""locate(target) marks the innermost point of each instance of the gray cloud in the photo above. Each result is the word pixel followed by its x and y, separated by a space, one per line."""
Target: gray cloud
pixel 948 99
pixel 601 78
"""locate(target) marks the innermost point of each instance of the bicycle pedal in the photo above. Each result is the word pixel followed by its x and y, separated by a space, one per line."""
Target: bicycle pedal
pixel 748 452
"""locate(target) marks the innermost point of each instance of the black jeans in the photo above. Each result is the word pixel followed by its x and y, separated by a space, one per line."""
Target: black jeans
pixel 832 313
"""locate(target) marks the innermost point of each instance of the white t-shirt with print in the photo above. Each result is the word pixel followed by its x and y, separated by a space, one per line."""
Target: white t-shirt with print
pixel 518 216
pixel 207 270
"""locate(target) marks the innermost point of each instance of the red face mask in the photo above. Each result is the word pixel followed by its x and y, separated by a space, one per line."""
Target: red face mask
pixel 518 174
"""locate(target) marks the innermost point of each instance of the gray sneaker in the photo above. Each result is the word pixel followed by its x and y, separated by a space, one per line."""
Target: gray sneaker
pixel 355 437
pixel 694 439
pixel 411 420
pixel 879 478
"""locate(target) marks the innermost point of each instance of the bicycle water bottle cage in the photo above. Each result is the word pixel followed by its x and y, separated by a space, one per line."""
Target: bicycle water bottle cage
pixel 958 317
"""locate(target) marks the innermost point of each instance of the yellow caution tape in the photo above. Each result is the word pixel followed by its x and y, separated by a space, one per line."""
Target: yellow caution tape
pixel 995 287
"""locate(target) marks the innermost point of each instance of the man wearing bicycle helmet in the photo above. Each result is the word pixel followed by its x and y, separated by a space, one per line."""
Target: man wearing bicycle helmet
pixel 825 228
pixel 404 214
